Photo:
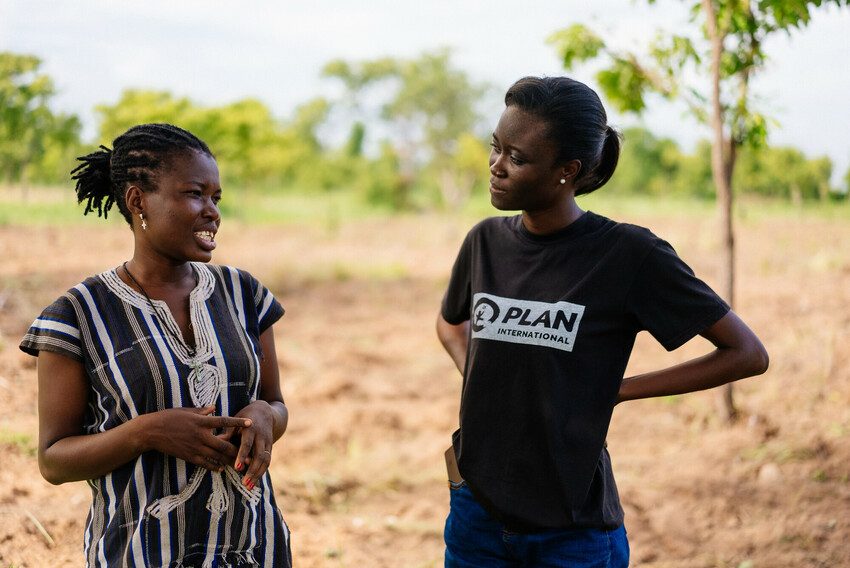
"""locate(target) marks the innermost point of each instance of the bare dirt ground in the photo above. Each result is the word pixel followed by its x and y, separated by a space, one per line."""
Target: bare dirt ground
pixel 374 400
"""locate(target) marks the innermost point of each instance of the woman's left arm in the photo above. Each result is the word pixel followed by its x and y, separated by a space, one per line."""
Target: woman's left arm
pixel 738 354
pixel 268 413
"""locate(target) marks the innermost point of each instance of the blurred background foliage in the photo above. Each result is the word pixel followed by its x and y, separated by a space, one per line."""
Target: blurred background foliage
pixel 399 134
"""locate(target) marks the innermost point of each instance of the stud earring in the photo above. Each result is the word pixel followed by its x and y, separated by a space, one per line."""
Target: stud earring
pixel 563 181
pixel 144 223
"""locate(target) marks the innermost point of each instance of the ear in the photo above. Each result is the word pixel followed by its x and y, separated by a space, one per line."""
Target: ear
pixel 570 170
pixel 134 197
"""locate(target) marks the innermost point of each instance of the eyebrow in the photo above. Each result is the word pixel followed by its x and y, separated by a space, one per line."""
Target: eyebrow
pixel 198 183
pixel 517 148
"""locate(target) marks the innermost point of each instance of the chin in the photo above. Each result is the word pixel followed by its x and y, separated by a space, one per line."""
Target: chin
pixel 501 204
pixel 199 256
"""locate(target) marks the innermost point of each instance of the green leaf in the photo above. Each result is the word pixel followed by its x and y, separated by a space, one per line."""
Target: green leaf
pixel 624 84
pixel 575 44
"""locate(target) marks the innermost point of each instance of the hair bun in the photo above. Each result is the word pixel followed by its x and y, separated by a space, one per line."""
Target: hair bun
pixel 608 159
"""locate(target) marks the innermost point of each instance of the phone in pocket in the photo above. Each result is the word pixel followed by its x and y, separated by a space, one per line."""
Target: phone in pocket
pixel 455 480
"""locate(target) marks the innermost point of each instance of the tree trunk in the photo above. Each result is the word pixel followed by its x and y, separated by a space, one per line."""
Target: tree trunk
pixel 722 164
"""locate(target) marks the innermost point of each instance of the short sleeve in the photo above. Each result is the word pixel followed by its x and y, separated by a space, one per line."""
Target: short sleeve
pixel 669 301
pixel 57 330
pixel 268 308
pixel 457 299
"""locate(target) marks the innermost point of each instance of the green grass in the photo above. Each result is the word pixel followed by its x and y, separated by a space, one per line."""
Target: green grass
pixel 57 206
pixel 21 441
pixel 329 209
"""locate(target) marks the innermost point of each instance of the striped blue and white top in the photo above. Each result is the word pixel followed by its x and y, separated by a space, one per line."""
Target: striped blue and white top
pixel 159 510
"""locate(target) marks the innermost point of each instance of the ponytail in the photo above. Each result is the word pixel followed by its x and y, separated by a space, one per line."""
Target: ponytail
pixel 94 182
pixel 608 159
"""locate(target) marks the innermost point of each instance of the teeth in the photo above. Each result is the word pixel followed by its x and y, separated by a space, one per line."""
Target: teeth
pixel 206 235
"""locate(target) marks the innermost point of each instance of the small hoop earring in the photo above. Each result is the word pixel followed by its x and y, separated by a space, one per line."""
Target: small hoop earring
pixel 563 181
pixel 144 224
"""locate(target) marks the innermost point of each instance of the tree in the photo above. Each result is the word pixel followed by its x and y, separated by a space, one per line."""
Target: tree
pixel 847 182
pixel 138 106
pixel 467 169
pixel 648 165
pixel 783 172
pixel 729 51
pixel 428 105
pixel 245 138
pixel 27 125
pixel 250 144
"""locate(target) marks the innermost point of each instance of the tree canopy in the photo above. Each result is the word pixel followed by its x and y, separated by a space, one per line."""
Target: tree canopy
pixel 34 140
pixel 400 132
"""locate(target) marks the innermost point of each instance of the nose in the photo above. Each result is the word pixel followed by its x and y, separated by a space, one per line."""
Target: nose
pixel 211 210
pixel 496 168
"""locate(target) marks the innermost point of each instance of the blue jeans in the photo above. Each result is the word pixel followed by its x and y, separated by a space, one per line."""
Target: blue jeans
pixel 474 539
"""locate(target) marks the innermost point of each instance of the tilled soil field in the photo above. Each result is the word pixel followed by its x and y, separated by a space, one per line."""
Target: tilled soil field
pixel 373 398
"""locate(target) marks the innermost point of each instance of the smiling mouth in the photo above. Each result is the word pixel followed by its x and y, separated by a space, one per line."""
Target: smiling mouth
pixel 207 236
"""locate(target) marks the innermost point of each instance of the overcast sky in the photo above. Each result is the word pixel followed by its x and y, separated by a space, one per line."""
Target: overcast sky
pixel 216 52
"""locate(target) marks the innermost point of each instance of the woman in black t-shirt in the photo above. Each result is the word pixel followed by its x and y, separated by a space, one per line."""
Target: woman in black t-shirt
pixel 540 316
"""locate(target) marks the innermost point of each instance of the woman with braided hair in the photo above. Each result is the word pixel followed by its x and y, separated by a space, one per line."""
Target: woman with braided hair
pixel 158 379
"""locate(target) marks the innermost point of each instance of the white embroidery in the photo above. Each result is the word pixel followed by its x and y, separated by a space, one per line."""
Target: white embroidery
pixel 205 380
pixel 218 501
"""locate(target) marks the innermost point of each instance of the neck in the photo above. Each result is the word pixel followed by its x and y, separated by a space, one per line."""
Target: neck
pixel 552 220
pixel 156 270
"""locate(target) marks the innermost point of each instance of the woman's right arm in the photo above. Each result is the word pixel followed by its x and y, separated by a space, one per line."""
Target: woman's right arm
pixel 67 453
pixel 455 339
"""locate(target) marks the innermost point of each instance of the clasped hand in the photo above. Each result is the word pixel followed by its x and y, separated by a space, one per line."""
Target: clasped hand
pixel 192 434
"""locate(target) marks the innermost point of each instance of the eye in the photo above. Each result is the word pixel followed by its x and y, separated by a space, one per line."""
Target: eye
pixel 216 199
pixel 495 146
pixel 517 160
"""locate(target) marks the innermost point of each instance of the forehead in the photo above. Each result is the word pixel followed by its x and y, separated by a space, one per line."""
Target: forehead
pixel 523 129
pixel 191 165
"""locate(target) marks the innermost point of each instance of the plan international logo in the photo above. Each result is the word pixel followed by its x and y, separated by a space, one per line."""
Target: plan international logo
pixel 523 321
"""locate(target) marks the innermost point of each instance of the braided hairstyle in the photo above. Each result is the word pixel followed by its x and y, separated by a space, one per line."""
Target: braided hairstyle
pixel 137 156
pixel 576 121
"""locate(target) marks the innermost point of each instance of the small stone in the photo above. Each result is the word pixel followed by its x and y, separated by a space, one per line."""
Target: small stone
pixel 769 474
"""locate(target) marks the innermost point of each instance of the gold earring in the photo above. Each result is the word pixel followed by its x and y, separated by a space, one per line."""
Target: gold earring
pixel 144 224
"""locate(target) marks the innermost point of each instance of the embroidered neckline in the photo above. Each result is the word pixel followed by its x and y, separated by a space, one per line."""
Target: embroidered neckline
pixel 199 294
pixel 198 314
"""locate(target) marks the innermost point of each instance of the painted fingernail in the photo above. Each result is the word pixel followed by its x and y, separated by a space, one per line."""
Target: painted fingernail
pixel 238 466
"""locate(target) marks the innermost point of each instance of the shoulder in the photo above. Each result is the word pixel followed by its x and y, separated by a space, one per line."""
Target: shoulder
pixel 59 326
pixel 627 231
pixel 497 224
pixel 230 274
pixel 492 226
pixel 236 281
pixel 633 238
pixel 90 292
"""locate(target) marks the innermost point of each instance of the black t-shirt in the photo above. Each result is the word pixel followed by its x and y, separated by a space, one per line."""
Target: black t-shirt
pixel 552 324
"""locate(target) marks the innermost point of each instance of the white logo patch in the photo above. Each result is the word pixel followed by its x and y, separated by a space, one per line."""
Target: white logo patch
pixel 524 321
